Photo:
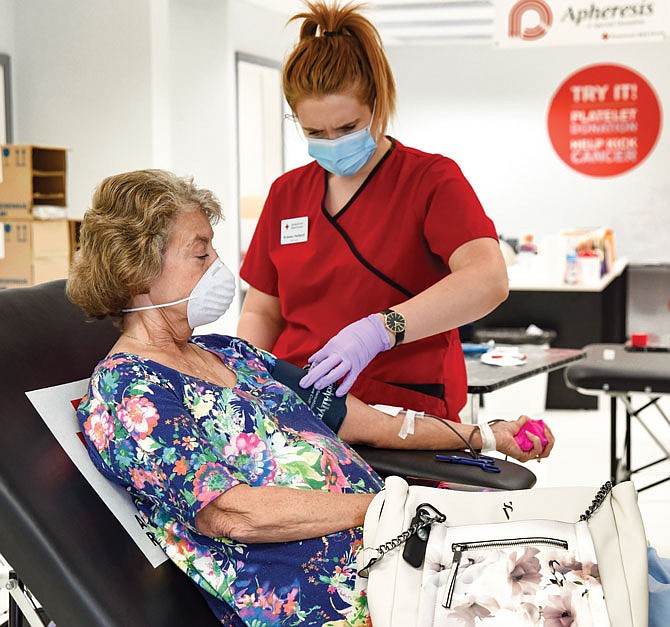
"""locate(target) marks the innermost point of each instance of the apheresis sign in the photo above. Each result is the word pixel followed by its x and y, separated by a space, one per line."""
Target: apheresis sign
pixel 521 23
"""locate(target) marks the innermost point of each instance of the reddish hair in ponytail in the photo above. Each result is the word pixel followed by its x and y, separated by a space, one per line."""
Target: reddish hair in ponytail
pixel 339 51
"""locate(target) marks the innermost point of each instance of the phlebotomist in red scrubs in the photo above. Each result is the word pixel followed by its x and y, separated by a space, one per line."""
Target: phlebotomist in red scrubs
pixel 366 261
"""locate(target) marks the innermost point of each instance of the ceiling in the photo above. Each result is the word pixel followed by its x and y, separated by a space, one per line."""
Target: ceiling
pixel 417 22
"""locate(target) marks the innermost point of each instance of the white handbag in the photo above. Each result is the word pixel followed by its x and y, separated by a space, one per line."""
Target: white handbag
pixel 439 558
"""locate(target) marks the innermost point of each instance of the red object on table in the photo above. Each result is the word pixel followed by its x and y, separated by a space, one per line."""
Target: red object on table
pixel 639 339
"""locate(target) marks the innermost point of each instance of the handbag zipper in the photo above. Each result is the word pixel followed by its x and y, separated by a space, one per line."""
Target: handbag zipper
pixel 459 548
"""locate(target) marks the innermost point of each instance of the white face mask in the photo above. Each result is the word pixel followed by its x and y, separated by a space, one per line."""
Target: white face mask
pixel 209 299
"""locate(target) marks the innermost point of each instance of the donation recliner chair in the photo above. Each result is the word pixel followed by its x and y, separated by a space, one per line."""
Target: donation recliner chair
pixel 60 538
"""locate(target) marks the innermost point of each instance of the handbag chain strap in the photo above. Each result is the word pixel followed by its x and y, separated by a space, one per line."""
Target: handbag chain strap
pixel 425 516
pixel 601 495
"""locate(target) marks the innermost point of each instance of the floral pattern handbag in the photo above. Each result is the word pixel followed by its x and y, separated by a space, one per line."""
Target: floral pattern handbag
pixel 551 557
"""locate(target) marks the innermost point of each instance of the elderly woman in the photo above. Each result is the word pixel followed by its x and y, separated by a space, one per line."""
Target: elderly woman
pixel 247 490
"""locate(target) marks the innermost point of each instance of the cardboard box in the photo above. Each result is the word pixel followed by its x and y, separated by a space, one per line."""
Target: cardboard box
pixel 35 251
pixel 29 176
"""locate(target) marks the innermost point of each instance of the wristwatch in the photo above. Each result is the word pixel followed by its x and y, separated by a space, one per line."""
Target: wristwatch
pixel 395 323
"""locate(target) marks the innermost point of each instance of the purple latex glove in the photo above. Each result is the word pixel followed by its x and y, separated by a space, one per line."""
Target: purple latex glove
pixel 346 354
pixel 536 427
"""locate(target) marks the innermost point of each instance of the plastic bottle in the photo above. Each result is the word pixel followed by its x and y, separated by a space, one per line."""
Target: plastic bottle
pixel 527 257
pixel 572 276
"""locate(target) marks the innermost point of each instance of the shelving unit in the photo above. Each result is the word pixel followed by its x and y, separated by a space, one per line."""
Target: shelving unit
pixel 31 175
pixel 33 216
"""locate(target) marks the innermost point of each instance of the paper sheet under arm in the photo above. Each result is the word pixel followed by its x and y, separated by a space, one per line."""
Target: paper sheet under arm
pixel 55 407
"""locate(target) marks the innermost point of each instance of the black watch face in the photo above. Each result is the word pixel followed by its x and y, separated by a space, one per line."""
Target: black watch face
pixel 395 322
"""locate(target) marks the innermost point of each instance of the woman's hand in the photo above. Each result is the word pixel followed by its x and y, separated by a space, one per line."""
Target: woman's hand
pixel 505 431
pixel 347 354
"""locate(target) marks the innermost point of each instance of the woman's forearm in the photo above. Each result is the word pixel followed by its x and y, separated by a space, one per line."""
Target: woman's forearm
pixel 365 425
pixel 259 330
pixel 477 284
pixel 278 514
pixel 261 321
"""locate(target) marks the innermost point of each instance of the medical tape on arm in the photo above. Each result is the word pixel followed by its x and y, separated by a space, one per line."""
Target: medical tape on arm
pixel 407 426
pixel 488 438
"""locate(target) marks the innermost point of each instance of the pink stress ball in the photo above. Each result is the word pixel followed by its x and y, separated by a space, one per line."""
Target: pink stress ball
pixel 536 427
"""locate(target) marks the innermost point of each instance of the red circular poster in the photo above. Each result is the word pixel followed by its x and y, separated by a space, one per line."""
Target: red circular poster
pixel 604 120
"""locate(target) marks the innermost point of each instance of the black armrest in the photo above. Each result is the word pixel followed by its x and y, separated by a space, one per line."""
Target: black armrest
pixel 54 530
pixel 422 464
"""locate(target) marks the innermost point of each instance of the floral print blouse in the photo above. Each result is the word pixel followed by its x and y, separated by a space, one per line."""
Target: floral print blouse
pixel 176 443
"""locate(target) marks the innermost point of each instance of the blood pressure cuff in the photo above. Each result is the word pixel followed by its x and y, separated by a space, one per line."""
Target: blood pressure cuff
pixel 323 403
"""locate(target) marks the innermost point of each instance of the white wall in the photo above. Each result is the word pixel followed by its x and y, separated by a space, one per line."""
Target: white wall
pixel 83 80
pixel 135 84
pixel 6 27
pixel 150 83
pixel 194 111
pixel 200 77
pixel 259 32
pixel 6 47
pixel 487 109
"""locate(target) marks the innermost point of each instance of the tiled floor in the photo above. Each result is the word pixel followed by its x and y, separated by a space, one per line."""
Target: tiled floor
pixel 581 457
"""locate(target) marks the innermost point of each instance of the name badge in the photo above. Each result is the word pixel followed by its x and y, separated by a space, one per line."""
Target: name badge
pixel 294 230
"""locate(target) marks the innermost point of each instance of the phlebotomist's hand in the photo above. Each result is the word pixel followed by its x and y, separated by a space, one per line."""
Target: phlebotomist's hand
pixel 346 354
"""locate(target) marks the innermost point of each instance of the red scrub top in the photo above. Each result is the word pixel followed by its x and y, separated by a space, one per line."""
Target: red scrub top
pixel 392 240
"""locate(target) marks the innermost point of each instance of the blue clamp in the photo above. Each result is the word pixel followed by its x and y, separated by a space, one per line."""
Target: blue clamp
pixel 487 464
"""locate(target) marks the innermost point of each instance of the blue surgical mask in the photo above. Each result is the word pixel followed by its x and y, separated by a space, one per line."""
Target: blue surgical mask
pixel 345 155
